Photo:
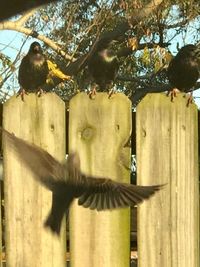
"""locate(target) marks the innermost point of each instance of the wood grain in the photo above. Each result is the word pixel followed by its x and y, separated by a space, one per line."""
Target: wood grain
pixel 99 130
pixel 40 121
pixel 167 152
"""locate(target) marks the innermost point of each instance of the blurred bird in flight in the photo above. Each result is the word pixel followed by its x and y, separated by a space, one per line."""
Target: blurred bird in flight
pixel 67 182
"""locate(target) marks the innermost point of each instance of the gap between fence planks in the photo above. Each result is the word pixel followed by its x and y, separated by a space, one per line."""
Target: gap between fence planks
pixel 167 152
pixel 99 129
pixel 27 203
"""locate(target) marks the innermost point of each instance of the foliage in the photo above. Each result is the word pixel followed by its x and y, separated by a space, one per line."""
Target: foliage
pixel 75 25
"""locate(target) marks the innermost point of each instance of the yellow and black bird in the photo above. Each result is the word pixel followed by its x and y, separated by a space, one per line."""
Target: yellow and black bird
pixel 184 69
pixel 67 182
pixel 33 71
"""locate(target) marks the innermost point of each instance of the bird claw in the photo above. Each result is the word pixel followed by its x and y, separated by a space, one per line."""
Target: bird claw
pixel 111 92
pixel 92 93
pixel 190 100
pixel 40 92
pixel 22 92
pixel 172 94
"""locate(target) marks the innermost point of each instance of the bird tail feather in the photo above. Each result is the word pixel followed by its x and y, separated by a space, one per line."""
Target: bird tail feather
pixel 60 207
pixel 54 223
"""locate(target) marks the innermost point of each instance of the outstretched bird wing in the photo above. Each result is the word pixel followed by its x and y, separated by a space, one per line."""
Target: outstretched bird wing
pixel 46 168
pixel 105 194
pixel 95 193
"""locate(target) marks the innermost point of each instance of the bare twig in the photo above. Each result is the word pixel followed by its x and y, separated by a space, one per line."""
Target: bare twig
pixel 23 19
pixel 116 34
pixel 17 26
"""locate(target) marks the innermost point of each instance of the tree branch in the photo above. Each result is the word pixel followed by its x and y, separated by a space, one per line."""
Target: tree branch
pixel 141 92
pixel 17 26
pixel 140 14
pixel 23 19
pixel 117 34
pixel 77 65
pixel 8 8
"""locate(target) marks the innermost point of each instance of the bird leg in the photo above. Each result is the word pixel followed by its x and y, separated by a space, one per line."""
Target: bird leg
pixel 40 92
pixel 190 99
pixel 22 92
pixel 93 92
pixel 111 92
pixel 172 94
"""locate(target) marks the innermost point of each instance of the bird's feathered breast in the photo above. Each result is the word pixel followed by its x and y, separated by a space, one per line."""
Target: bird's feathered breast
pixel 103 69
pixel 33 71
pixel 183 70
pixel 37 60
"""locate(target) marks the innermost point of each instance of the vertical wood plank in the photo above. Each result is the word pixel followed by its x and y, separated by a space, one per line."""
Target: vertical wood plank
pixel 98 130
pixel 27 203
pixel 167 152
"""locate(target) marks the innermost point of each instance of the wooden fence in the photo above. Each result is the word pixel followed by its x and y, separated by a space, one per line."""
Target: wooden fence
pixel 165 138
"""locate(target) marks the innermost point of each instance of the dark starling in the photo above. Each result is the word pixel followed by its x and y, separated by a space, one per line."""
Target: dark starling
pixel 103 67
pixel 184 69
pixel 33 71
pixel 67 182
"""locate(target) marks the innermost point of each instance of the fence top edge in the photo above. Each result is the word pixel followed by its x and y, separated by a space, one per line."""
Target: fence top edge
pixel 101 95
pixel 32 96
pixel 162 99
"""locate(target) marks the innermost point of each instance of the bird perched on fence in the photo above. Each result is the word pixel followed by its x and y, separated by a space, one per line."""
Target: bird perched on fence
pixel 36 71
pixel 103 67
pixel 33 71
pixel 67 182
pixel 184 69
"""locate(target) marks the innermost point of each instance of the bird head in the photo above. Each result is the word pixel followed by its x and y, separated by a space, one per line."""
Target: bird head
pixel 35 48
pixel 107 54
pixel 105 44
pixel 73 160
pixel 192 51
pixel 188 49
pixel 36 56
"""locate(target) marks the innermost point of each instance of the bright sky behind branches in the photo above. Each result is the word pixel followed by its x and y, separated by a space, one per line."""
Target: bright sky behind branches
pixel 11 42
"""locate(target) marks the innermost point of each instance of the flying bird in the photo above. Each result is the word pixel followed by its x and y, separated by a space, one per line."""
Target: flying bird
pixel 33 71
pixel 103 67
pixel 184 69
pixel 67 182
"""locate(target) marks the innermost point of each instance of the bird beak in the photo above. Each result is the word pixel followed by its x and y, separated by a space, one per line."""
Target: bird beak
pixel 37 48
pixel 103 53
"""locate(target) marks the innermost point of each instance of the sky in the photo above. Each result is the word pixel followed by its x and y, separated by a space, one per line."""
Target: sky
pixel 11 41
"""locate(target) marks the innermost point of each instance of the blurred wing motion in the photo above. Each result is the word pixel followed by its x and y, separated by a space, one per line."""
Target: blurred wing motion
pixel 105 194
pixel 93 192
pixel 45 167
